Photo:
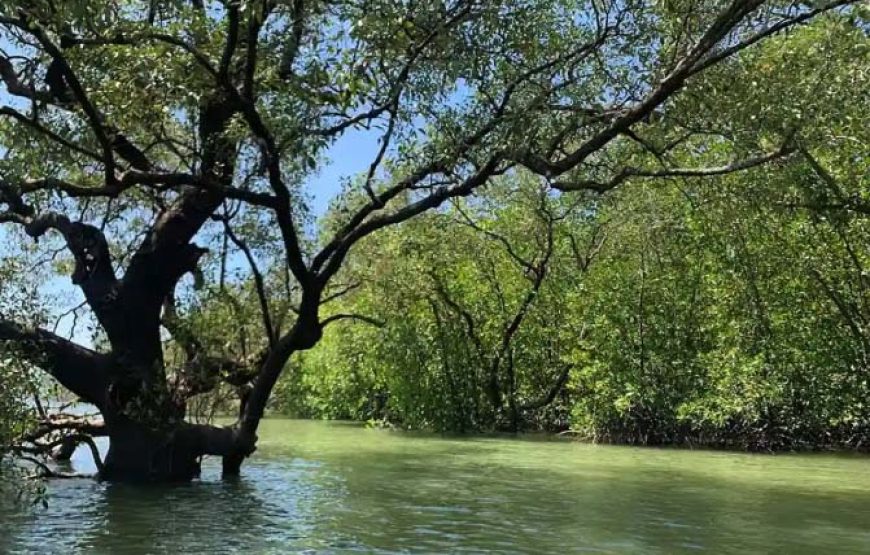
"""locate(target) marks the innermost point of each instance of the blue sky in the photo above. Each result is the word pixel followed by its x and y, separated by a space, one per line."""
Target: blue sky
pixel 350 155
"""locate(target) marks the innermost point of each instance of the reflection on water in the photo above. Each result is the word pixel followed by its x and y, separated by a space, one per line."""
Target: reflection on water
pixel 336 488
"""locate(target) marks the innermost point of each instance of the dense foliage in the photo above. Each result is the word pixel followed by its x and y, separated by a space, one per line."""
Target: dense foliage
pixel 18 385
pixel 627 218
pixel 725 311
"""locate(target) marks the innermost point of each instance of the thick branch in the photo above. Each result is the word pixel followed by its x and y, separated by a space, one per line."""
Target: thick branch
pixel 67 423
pixel 93 271
pixel 728 19
pixel 80 370
pixel 288 57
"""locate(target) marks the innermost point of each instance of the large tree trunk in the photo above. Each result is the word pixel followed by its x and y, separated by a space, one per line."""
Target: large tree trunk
pixel 141 453
pixel 137 454
pixel 144 420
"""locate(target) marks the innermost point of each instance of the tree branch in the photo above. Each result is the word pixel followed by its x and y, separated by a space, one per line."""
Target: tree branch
pixel 727 20
pixel 629 172
pixel 259 282
pixel 717 57
pixel 80 370
pixel 551 394
pixel 361 317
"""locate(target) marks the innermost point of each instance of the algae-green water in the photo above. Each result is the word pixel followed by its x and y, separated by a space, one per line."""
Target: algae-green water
pixel 317 487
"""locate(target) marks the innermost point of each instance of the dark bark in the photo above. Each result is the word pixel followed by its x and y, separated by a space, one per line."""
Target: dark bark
pixel 80 370
pixel 144 419
pixel 149 440
pixel 65 450
pixel 138 453
pixel 304 335
pixel 551 394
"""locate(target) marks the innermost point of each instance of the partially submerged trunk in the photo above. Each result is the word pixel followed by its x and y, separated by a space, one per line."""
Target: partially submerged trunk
pixel 149 440
pixel 143 412
pixel 144 409
pixel 139 454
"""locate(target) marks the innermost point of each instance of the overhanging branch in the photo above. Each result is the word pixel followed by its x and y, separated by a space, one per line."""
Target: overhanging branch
pixel 80 370
pixel 630 172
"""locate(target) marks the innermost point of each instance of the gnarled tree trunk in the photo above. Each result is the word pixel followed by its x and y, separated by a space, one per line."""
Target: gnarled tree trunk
pixel 139 454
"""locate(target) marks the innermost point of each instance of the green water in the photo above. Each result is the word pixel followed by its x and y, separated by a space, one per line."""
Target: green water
pixel 337 488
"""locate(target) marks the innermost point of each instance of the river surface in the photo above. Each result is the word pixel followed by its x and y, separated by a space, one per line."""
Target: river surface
pixel 318 487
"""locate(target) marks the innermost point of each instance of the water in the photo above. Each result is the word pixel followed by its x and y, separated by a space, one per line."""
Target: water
pixel 337 488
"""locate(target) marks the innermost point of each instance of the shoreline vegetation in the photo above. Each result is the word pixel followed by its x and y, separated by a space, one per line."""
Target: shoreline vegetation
pixel 646 222
pixel 856 445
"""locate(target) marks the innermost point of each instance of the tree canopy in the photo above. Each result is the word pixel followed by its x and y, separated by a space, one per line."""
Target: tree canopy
pixel 157 153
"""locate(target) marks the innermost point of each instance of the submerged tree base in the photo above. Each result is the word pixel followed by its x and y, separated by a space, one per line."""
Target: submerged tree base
pixel 137 455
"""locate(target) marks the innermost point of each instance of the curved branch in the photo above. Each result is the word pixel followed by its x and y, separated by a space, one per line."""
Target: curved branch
pixel 159 181
pixel 48 473
pixel 93 271
pixel 466 316
pixel 67 423
pixel 78 90
pixel 333 255
pixel 554 390
pixel 259 282
pixel 721 27
pixel 80 370
pixel 361 317
pixel 16 87
pixel 95 453
pixel 628 173
pixel 717 57
pixel 467 220
pixel 35 125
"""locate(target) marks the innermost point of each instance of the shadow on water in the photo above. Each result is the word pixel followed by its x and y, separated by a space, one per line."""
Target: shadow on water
pixel 335 489
pixel 273 509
